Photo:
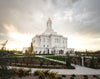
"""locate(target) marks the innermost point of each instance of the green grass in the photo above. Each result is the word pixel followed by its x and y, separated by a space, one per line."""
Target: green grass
pixel 17 55
pixel 57 58
pixel 38 58
pixel 14 55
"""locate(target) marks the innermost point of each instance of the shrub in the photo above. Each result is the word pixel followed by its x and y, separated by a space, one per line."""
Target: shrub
pixel 63 75
pixel 52 75
pixel 42 75
pixel 59 77
pixel 26 72
pixel 85 76
pixel 95 76
pixel 71 67
pixel 46 73
pixel 36 73
pixel 73 75
pixel 41 63
pixel 6 74
pixel 20 72
pixel 14 71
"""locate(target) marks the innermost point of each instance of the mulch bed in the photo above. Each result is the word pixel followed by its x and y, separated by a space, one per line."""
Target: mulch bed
pixel 67 77
pixel 79 77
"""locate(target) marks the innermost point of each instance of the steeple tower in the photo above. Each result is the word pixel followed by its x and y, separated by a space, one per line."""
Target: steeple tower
pixel 49 24
pixel 49 29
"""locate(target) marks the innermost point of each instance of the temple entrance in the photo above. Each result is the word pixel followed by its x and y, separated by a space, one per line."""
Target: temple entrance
pixel 47 51
pixel 61 51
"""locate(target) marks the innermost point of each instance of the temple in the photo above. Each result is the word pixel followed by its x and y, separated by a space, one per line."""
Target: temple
pixel 50 42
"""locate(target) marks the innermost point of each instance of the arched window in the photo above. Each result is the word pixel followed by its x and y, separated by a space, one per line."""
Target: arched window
pixel 40 52
pixel 43 52
pixel 57 40
pixel 61 51
pixel 47 45
pixel 43 45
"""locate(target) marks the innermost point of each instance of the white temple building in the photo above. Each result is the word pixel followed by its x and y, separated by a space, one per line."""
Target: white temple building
pixel 50 42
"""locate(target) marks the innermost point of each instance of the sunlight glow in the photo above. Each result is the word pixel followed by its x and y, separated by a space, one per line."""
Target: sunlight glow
pixel 82 43
pixel 21 40
pixel 18 40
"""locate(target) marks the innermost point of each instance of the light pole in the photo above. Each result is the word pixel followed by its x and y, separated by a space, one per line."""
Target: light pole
pixel 82 60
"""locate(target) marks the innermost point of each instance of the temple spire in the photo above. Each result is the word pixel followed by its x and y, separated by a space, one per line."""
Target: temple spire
pixel 49 24
pixel 49 29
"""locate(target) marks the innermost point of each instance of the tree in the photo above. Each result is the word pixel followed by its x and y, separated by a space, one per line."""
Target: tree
pixel 31 51
pixel 41 63
pixel 4 72
pixel 26 52
pixel 68 61
pixel 92 62
pixel 3 65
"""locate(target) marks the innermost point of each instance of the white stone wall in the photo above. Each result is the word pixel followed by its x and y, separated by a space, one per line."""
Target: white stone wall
pixel 43 43
pixel 50 41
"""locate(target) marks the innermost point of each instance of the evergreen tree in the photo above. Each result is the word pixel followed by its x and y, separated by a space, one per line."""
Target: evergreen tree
pixel 30 54
pixel 31 51
pixel 92 62
pixel 68 61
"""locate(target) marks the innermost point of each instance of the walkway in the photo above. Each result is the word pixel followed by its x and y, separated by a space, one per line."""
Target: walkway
pixel 79 70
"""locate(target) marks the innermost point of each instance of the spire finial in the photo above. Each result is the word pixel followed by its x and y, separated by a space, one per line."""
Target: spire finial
pixel 49 19
pixel 49 24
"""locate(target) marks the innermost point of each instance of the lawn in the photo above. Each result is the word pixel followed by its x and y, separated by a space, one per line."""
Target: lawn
pixel 57 58
pixel 22 55
pixel 15 55
pixel 38 58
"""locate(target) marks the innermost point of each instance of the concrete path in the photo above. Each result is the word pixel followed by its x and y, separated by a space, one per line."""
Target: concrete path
pixel 79 70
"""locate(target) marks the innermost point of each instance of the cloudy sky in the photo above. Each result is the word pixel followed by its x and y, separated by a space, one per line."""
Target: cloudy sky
pixel 79 20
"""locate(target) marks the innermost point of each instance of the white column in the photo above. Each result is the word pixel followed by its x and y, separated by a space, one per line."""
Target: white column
pixel 82 60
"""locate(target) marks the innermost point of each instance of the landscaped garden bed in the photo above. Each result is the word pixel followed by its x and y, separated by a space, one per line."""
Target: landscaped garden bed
pixel 92 62
pixel 41 74
pixel 35 62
